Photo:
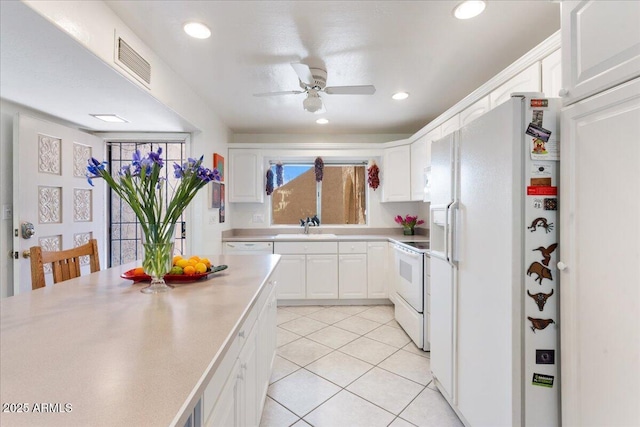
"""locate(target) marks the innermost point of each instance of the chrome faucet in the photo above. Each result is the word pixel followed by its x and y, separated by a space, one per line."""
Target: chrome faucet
pixel 315 221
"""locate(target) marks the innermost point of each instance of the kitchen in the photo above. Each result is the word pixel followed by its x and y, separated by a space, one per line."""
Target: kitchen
pixel 254 215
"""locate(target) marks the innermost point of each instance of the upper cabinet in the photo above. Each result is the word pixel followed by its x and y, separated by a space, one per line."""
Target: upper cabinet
pixel 527 81
pixel 396 174
pixel 552 74
pixel 245 176
pixel 451 125
pixel 474 111
pixel 420 159
pixel 596 54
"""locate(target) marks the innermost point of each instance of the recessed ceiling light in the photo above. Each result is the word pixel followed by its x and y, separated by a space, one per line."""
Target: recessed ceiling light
pixel 400 95
pixel 111 118
pixel 197 30
pixel 322 121
pixel 469 9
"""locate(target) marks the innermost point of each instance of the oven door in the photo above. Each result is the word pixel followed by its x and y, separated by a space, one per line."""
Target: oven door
pixel 410 281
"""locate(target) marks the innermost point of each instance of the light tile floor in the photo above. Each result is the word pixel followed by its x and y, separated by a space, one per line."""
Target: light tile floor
pixel 349 366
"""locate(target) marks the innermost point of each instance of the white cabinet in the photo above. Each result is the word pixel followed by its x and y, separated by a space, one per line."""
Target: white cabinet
pixel 307 270
pixel 474 111
pixel 552 74
pixel 377 269
pixel 322 276
pixel 246 176
pixel 291 276
pixel 527 81
pixel 420 159
pixel 235 396
pixel 600 157
pixel 353 270
pixel 600 45
pixel 451 125
pixel 226 412
pixel 396 174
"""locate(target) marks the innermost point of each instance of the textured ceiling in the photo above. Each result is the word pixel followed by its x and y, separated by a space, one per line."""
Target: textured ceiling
pixel 415 46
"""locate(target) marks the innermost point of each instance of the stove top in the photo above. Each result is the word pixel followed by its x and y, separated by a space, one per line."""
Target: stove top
pixel 418 245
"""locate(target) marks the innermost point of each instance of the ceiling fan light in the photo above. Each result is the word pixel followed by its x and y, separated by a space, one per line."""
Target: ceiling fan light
pixel 197 30
pixel 400 96
pixel 469 9
pixel 322 121
pixel 312 103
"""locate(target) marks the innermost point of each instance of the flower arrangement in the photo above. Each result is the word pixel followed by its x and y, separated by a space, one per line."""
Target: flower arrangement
pixel 408 223
pixel 140 185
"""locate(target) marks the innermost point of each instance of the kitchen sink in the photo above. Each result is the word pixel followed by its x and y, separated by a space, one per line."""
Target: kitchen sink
pixel 303 236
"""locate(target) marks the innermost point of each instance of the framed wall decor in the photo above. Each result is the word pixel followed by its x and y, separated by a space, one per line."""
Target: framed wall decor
pixel 222 204
pixel 218 163
pixel 215 195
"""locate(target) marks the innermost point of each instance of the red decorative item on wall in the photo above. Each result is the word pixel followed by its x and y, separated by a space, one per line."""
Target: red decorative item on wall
pixel 374 180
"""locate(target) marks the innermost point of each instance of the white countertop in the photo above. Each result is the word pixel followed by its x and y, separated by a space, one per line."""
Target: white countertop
pixel 117 356
pixel 319 237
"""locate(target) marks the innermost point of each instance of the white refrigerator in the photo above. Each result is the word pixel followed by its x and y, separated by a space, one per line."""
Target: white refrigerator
pixel 494 285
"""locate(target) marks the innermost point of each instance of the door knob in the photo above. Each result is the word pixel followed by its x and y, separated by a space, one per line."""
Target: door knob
pixel 563 93
pixel 27 230
pixel 26 254
pixel 562 266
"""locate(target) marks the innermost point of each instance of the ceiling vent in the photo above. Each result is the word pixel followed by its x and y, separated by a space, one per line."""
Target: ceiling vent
pixel 132 61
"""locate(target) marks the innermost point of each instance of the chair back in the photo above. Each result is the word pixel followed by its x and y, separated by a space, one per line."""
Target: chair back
pixel 64 264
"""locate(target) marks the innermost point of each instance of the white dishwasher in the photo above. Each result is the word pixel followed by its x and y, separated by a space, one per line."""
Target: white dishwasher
pixel 247 248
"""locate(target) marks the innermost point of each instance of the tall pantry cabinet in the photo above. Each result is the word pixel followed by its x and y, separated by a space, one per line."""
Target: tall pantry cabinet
pixel 600 214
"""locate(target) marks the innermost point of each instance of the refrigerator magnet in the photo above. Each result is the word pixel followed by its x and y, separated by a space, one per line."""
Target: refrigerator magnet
pixel 540 298
pixel 539 270
pixel 538 132
pixel 551 204
pixel 545 357
pixel 539 324
pixel 543 380
pixel 536 118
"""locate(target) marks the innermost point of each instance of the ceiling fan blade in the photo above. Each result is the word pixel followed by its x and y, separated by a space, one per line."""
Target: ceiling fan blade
pixel 286 92
pixel 304 73
pixel 350 90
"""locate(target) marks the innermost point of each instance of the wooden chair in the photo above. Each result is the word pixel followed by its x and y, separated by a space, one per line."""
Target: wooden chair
pixel 65 264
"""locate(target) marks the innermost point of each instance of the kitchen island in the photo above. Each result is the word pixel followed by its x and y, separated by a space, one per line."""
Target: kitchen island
pixel 95 351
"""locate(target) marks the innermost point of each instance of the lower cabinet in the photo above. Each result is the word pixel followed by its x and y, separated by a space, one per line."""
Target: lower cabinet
pixel 235 395
pixel 377 270
pixel 291 277
pixel 322 276
pixel 353 276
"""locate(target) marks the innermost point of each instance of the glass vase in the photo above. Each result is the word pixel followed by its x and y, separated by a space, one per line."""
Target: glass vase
pixel 408 231
pixel 157 244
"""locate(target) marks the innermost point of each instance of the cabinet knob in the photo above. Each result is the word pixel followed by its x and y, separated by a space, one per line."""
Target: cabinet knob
pixel 563 93
pixel 241 334
pixel 562 266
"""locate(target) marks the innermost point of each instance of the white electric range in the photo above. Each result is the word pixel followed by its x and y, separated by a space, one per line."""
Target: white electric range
pixel 410 283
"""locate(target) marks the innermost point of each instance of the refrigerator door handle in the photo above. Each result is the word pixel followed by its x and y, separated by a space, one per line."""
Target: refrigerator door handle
pixel 450 233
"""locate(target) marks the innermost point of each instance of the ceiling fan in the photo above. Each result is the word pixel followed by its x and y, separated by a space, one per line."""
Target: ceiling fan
pixel 313 81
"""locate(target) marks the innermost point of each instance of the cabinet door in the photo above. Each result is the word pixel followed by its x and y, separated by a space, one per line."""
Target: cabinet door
pixel 266 346
pixel 552 74
pixel 226 411
pixel 418 163
pixel 291 277
pixel 377 269
pixel 246 176
pixel 451 125
pixel 474 111
pixel 396 174
pixel 600 45
pixel 527 81
pixel 599 294
pixel 249 386
pixel 353 276
pixel 322 276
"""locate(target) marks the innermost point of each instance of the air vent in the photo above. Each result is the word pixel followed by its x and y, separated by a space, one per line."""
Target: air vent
pixel 133 61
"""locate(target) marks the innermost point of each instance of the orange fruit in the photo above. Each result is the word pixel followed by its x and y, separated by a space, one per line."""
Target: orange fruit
pixel 182 263
pixel 206 262
pixel 138 271
pixel 189 270
pixel 176 259
pixel 192 262
pixel 195 258
pixel 201 268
